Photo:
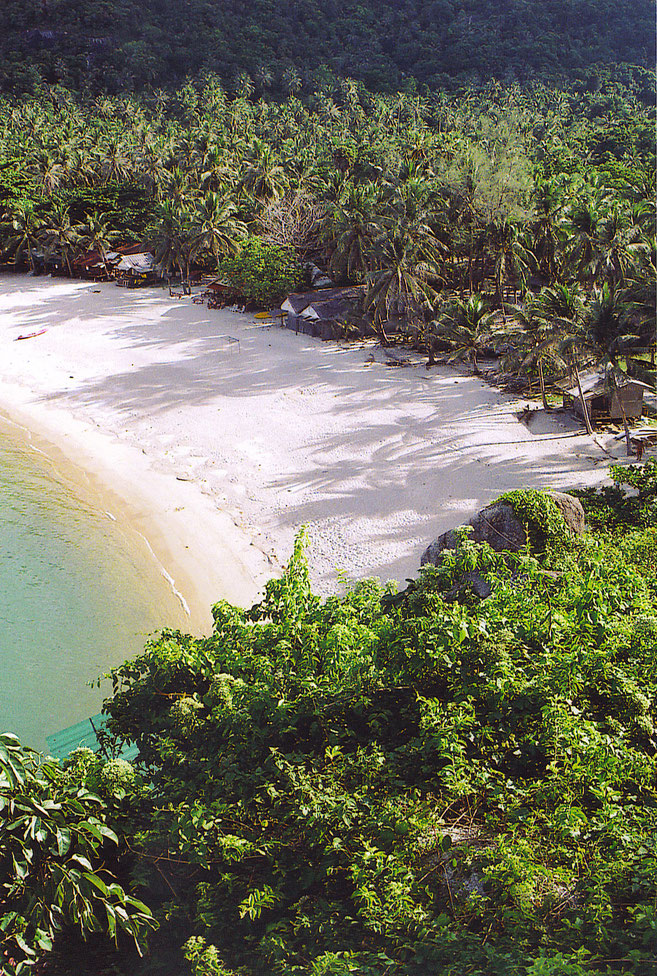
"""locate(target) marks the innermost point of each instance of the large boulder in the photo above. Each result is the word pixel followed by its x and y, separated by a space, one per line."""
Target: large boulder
pixel 571 509
pixel 503 530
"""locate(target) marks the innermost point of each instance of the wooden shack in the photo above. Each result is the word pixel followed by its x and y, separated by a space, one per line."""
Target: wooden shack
pixel 325 313
pixel 604 398
pixel 92 266
pixel 136 268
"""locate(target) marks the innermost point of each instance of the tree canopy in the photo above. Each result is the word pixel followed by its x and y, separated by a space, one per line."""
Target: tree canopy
pixel 303 45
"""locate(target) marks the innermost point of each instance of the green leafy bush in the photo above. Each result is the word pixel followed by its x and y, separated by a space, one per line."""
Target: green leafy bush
pixel 392 782
pixel 55 845
pixel 263 273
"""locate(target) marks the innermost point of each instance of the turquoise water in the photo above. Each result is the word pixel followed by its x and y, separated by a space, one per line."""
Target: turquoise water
pixel 78 595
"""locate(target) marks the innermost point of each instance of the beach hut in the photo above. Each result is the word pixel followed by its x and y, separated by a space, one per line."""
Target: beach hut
pixel 92 266
pixel 136 269
pixel 85 734
pixel 325 313
pixel 604 398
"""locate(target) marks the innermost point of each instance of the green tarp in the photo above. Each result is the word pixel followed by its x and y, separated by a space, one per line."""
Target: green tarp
pixel 61 744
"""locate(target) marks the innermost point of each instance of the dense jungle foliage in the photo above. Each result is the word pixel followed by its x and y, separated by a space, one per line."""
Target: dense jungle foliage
pixel 292 45
pixel 419 782
pixel 445 208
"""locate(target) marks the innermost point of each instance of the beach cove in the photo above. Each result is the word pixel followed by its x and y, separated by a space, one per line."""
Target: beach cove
pixel 215 436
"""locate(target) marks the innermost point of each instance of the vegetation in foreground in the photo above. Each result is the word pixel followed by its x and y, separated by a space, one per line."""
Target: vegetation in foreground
pixel 384 782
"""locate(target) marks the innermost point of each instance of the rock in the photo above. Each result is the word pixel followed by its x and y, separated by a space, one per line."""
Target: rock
pixel 500 527
pixel 473 582
pixel 497 524
pixel 571 509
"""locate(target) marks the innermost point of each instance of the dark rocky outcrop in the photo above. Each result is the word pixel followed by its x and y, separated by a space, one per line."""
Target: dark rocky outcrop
pixel 500 526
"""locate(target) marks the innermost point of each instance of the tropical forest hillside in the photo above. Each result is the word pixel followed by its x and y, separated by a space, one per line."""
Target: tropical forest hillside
pixel 292 45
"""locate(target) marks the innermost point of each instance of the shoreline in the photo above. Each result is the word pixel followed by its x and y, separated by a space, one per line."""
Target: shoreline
pixel 116 480
pixel 217 437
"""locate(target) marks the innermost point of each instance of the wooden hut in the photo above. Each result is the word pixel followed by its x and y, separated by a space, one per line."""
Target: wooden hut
pixel 604 398
pixel 92 266
pixel 325 313
pixel 135 269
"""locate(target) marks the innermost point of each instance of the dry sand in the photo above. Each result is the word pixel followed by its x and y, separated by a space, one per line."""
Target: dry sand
pixel 219 436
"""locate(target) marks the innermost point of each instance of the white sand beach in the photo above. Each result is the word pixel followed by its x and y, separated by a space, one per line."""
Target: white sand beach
pixel 219 435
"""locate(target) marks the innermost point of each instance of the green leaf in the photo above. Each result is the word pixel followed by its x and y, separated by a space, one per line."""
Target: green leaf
pixel 98 883
pixel 63 835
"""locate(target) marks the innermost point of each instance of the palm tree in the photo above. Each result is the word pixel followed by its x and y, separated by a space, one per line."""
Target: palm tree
pixel 603 338
pixel 26 226
pixel 407 258
pixel 216 228
pixel 97 235
pixel 512 259
pixel 150 167
pixel 618 241
pixel 264 178
pixel 49 173
pixel 217 169
pixel 467 325
pixel 59 234
pixel 583 252
pixel 592 330
pixel 350 230
pixel 639 295
pixel 546 235
pixel 173 237
pixel 534 339
pixel 115 162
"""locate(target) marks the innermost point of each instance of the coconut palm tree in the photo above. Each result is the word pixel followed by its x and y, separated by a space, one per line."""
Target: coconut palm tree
pixel 59 234
pixel 639 296
pixel 350 229
pixel 173 237
pixel 97 235
pixel 602 338
pixel 590 330
pixel 115 162
pixel 264 177
pixel 47 170
pixel 406 258
pixel 619 241
pixel 545 232
pixel 467 325
pixel 26 226
pixel 216 227
pixel 582 243
pixel 531 332
pixel 512 258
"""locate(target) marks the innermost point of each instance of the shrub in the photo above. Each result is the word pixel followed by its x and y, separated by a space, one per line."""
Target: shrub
pixel 263 273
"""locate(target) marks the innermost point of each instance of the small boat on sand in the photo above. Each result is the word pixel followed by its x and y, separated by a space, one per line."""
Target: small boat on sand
pixel 31 335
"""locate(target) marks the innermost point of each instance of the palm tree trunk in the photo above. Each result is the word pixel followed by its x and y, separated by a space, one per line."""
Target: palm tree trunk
pixel 585 406
pixel 626 429
pixel 628 441
pixel 541 380
pixel 470 260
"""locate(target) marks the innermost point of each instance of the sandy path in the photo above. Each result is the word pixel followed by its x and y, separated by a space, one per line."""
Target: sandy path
pixel 223 436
